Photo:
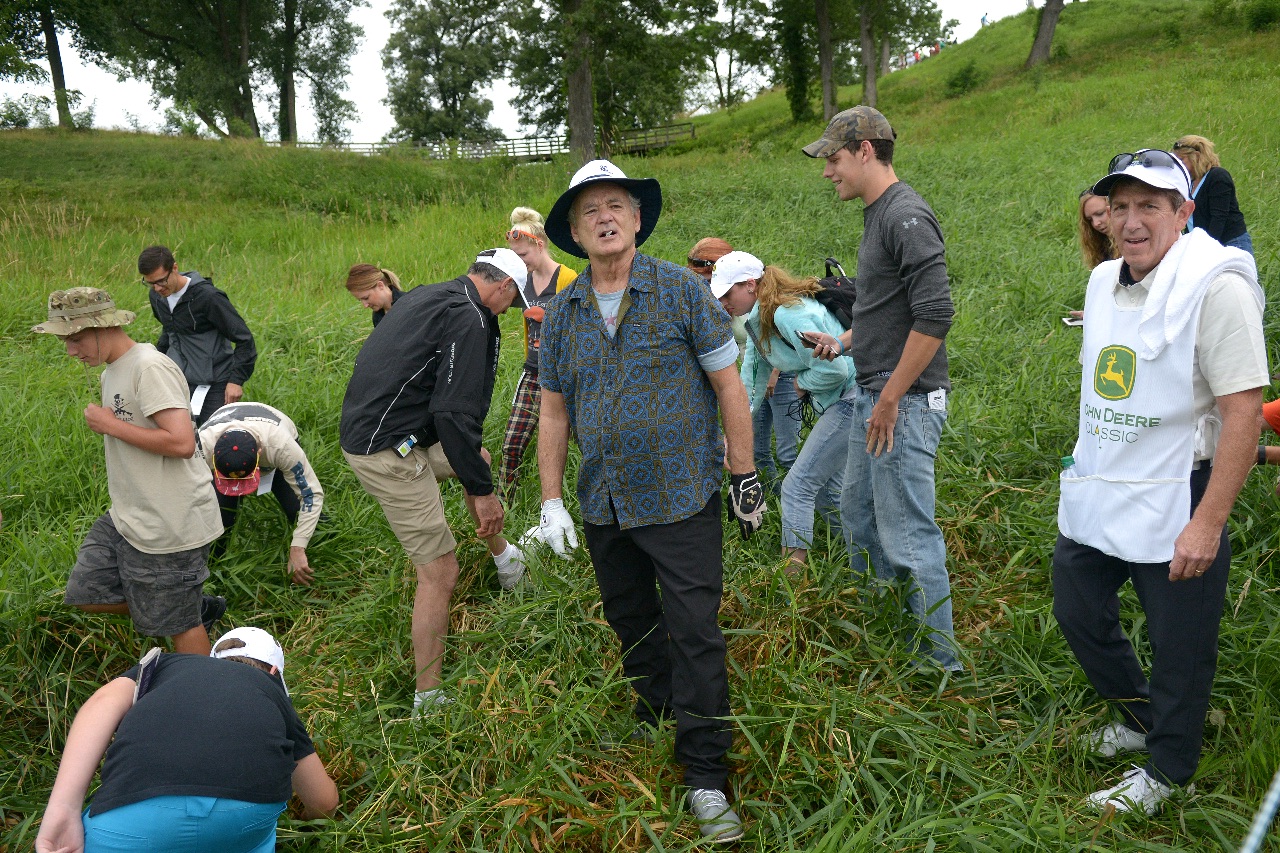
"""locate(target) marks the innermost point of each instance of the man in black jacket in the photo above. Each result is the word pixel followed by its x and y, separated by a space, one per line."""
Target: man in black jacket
pixel 425 375
pixel 202 332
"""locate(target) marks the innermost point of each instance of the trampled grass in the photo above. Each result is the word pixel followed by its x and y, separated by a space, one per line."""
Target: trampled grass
pixel 836 748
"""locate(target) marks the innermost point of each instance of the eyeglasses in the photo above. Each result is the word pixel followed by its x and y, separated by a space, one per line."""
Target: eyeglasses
pixel 149 283
pixel 1186 146
pixel 701 263
pixel 516 234
pixel 1151 158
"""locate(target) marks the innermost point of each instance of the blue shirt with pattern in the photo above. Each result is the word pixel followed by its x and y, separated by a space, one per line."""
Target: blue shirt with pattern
pixel 640 406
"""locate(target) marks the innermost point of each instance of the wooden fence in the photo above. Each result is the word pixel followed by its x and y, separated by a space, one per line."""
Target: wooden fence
pixel 529 148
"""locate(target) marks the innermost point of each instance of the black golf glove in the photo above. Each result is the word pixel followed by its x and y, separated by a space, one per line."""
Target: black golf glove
pixel 746 502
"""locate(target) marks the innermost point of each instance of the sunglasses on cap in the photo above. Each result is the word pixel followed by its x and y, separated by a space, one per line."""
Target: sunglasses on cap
pixel 1151 158
pixel 701 263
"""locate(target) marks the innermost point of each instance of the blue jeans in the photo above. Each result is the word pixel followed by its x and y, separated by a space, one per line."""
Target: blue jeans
pixel 887 510
pixel 771 418
pixel 1244 241
pixel 817 477
pixel 184 825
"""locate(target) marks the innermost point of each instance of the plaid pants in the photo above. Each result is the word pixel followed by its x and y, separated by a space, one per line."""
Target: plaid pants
pixel 520 428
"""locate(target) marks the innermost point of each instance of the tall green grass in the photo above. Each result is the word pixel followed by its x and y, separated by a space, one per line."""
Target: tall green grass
pixel 835 748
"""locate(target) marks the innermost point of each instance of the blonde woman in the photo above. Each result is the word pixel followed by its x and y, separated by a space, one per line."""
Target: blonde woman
pixel 375 288
pixel 547 277
pixel 1214 193
pixel 1094 229
pixel 778 307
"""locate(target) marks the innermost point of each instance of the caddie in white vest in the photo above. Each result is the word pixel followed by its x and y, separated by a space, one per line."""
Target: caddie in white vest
pixel 1171 391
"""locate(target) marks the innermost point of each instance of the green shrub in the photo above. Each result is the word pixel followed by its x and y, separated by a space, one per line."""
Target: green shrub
pixel 1262 14
pixel 963 80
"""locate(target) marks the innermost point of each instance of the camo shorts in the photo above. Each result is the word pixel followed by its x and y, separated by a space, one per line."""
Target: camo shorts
pixel 162 590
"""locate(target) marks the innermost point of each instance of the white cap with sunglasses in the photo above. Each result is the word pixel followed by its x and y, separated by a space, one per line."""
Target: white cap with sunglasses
pixel 1151 166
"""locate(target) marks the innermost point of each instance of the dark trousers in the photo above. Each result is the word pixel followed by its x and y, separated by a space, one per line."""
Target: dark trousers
pixel 661 587
pixel 214 400
pixel 1182 624
pixel 229 506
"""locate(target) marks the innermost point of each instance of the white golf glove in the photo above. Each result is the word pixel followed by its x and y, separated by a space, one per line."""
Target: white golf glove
pixel 557 526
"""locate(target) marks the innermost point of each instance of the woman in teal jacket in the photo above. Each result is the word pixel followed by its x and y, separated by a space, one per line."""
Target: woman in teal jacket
pixel 778 307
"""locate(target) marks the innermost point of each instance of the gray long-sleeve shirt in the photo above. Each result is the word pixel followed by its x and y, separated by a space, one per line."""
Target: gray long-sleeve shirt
pixel 902 287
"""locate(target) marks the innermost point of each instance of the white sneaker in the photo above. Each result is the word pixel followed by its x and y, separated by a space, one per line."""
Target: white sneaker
pixel 429 702
pixel 717 822
pixel 1136 791
pixel 510 565
pixel 1113 739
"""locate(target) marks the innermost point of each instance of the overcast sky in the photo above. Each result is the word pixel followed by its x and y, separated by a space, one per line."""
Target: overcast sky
pixel 114 102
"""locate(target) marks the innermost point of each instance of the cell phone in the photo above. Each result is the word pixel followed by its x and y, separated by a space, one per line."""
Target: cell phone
pixel 1073 321
pixel 808 341
pixel 146 671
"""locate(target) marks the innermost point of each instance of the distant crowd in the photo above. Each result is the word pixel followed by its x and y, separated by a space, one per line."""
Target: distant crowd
pixel 826 398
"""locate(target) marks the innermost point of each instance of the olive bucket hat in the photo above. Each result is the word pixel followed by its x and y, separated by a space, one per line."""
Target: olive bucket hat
pixel 81 308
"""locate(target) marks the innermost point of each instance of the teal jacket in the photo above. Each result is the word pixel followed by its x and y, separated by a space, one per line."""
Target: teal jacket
pixel 827 381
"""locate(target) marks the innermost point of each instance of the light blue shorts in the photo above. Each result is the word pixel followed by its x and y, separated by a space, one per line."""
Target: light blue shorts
pixel 184 825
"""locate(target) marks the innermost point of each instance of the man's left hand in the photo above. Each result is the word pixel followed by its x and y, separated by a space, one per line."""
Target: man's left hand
pixel 299 567
pixel 233 394
pixel 746 500
pixel 1194 551
pixel 884 415
pixel 488 515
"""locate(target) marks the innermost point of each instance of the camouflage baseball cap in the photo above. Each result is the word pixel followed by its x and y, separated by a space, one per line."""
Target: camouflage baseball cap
pixel 853 125
pixel 80 308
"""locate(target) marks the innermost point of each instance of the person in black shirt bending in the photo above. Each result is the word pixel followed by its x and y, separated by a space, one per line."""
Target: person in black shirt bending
pixel 425 375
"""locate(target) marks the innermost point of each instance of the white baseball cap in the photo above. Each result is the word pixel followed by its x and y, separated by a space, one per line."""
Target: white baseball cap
pixel 507 261
pixel 258 645
pixel 1152 166
pixel 733 268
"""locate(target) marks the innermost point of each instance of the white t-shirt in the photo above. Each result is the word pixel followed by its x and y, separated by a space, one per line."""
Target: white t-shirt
pixel 159 504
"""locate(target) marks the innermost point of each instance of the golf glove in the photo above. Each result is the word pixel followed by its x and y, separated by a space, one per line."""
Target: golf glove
pixel 746 502
pixel 557 526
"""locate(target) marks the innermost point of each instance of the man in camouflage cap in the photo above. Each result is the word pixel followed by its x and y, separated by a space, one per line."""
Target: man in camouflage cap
pixel 902 313
pixel 146 556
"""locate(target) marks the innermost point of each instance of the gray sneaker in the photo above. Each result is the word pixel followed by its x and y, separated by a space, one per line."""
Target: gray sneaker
pixel 716 820
pixel 1113 739
pixel 642 735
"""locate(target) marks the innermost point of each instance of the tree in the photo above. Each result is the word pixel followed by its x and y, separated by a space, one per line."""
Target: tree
pixel 733 48
pixel 441 53
pixel 826 58
pixel 792 27
pixel 313 39
pixel 28 34
pixel 1044 33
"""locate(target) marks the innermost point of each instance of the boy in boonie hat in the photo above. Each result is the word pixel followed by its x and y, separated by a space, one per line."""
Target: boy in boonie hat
pixel 201 754
pixel 146 556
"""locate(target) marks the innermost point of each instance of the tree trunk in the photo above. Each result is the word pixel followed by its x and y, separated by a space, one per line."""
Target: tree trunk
pixel 289 64
pixel 885 58
pixel 826 59
pixel 582 127
pixel 244 109
pixel 868 45
pixel 55 66
pixel 1044 33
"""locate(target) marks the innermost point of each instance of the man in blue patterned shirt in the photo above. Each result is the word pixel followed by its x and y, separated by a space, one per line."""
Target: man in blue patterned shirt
pixel 637 361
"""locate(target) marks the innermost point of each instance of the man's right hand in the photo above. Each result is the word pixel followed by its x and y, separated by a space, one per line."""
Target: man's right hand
pixel 557 526
pixel 488 515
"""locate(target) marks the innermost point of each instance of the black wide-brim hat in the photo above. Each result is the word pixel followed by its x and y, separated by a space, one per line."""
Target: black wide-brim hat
pixel 602 171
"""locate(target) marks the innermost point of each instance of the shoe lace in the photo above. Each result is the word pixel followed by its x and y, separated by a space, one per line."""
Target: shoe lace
pixel 709 799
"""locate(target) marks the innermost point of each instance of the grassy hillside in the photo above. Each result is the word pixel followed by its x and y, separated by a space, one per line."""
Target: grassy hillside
pixel 836 748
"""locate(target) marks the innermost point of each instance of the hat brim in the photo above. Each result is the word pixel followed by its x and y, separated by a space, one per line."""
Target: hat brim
pixel 646 189
pixel 1143 175
pixel 824 147
pixel 107 320
pixel 237 486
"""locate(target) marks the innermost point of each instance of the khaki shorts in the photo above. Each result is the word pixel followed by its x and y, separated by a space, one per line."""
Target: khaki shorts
pixel 162 590
pixel 406 490
pixel 439 462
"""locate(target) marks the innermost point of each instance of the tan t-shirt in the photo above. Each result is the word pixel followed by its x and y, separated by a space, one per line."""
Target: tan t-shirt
pixel 159 504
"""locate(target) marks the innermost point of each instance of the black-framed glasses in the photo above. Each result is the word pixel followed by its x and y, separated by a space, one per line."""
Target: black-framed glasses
pixel 149 283
pixel 1186 146
pixel 701 263
pixel 1151 158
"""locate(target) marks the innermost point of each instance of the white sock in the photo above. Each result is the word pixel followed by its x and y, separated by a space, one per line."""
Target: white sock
pixel 504 559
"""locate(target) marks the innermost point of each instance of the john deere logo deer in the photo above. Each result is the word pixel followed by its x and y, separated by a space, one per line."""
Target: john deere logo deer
pixel 1113 374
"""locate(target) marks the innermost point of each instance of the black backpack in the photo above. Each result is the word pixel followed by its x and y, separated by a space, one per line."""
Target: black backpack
pixel 837 294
